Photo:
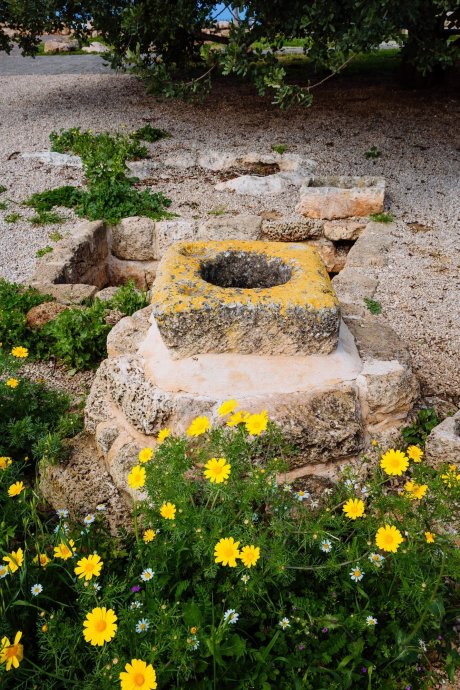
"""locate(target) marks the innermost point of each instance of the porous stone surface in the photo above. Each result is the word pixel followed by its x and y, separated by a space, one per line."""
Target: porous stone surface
pixel 167 232
pixel 443 442
pixel 143 273
pixel 70 294
pixel 371 249
pixel 337 230
pixel 295 229
pixel 134 238
pixel 241 227
pixel 60 46
pixel 38 316
pixel 352 285
pixel 55 159
pixel 245 297
pixel 106 294
pixel 128 334
pixel 95 47
pixel 341 197
pixel 334 257
pixel 252 185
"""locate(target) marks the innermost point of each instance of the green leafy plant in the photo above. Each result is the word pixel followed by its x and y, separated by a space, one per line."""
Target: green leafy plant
pixel 42 252
pixel 2 189
pixel 66 196
pixel 116 200
pixel 77 337
pixel 46 218
pixel 382 217
pixel 373 305
pixel 3 206
pixel 150 134
pixel 15 302
pixel 417 432
pixel 13 217
pixel 128 299
pixel 279 148
pixel 373 153
pixel 55 236
pixel 220 211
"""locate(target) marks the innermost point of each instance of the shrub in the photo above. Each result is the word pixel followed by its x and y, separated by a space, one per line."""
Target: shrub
pixel 15 302
pixel 150 134
pixel 309 594
pixel 129 299
pixel 66 196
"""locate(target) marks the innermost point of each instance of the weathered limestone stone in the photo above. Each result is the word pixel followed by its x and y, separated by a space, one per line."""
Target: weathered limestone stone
pixel 141 272
pixel 443 443
pixel 167 232
pixel 128 334
pixel 54 158
pixel 56 46
pixel 371 249
pixel 42 313
pixel 341 197
pixel 95 47
pixel 241 227
pixel 106 294
pixel 337 230
pixel 71 294
pixel 252 185
pixel 352 285
pixel 134 238
pixel 334 257
pixel 143 169
pixel 262 297
pixel 82 483
pixel 296 230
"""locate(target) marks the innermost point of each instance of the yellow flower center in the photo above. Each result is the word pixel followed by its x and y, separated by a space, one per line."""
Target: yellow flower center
pixel 12 651
pixel 100 625
pixel 139 679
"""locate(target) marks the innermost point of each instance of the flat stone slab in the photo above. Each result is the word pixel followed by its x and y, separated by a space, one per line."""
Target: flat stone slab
pixel 341 197
pixel 267 298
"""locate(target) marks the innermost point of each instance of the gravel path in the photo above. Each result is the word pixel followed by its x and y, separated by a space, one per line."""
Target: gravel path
pixel 16 65
pixel 417 133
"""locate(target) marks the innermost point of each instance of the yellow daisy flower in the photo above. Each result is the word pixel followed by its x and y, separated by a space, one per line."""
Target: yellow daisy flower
pixel 20 352
pixel 15 489
pixel 415 491
pixel 168 511
pixel 217 470
pixel 11 654
pixel 394 462
pixel 149 535
pixel 12 383
pixel 388 538
pixel 237 418
pixel 64 551
pixel 226 551
pixel 99 626
pixel 136 478
pixel 89 567
pixel 138 675
pixel 5 462
pixel 145 454
pixel 199 426
pixel 163 434
pixel 250 555
pixel 227 407
pixel 41 559
pixel 14 560
pixel 354 508
pixel 256 423
pixel 430 537
pixel 414 453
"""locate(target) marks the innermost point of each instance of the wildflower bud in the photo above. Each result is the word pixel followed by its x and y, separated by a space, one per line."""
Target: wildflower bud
pixel 44 628
pixel 42 613
pixel 115 661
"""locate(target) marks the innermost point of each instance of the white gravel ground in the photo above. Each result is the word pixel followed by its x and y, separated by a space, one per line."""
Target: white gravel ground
pixel 417 133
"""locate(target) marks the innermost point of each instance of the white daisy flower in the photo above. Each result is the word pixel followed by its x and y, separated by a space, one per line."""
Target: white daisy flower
pixel 147 574
pixel 3 571
pixel 364 490
pixel 231 616
pixel 314 504
pixel 287 488
pixel 142 626
pixel 356 574
pixel 284 623
pixel 97 587
pixel 88 519
pixel 135 605
pixel 348 483
pixel 326 545
pixel 302 495
pixel 36 590
pixel 327 491
pixel 63 527
pixel 100 507
pixel 245 579
pixel 62 513
pixel 376 559
pixel 370 620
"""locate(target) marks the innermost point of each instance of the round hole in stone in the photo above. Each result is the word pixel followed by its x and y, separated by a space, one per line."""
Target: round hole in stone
pixel 246 270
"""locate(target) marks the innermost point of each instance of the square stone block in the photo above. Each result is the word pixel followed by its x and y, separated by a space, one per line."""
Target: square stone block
pixel 249 297
pixel 341 197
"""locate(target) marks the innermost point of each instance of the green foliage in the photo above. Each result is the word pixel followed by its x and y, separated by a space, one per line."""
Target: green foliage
pixel 279 148
pixel 416 433
pixel 78 337
pixel 220 211
pixel 12 217
pixel 2 189
pixel 110 195
pixel 55 236
pixel 382 217
pixel 373 153
pixel 299 619
pixel 42 252
pixel 30 413
pixel 3 206
pixel 150 134
pixel 46 218
pixel 15 302
pixel 128 299
pixel 373 305
pixel 66 196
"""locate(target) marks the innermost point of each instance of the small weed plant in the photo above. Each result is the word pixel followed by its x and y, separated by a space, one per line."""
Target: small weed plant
pixel 419 430
pixel 150 134
pixel 382 217
pixel 279 148
pixel 43 252
pixel 373 153
pixel 12 217
pixel 3 205
pixel 373 305
pixel 232 578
